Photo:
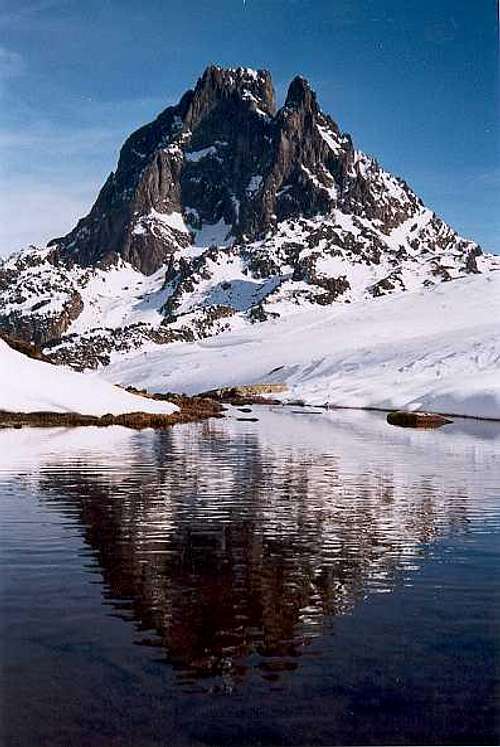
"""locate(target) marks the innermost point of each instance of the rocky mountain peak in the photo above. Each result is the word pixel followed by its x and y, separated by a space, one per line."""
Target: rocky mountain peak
pixel 224 166
pixel 301 96
pixel 223 85
pixel 221 157
pixel 222 211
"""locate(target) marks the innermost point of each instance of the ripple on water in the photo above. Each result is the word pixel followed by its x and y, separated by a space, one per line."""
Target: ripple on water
pixel 240 555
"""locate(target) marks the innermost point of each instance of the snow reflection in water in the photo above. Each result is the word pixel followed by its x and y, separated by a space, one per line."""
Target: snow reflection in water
pixel 237 549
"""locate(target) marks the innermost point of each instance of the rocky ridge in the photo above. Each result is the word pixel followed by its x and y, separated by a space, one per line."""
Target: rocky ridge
pixel 226 211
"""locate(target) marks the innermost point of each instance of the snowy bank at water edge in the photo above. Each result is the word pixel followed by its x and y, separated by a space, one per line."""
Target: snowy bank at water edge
pixel 436 349
pixel 28 385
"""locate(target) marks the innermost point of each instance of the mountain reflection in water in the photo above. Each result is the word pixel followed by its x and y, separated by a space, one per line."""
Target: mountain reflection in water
pixel 232 547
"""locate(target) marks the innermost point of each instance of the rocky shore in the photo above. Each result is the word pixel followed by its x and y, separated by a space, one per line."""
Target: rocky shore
pixel 190 409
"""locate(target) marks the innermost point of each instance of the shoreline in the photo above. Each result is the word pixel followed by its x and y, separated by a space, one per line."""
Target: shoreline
pixel 394 409
pixel 261 394
pixel 192 409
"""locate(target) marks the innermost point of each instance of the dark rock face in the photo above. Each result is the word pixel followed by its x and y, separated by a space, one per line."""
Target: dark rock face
pixel 42 329
pixel 224 154
pixel 230 113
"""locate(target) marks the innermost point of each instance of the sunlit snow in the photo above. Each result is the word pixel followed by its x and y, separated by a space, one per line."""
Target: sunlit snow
pixel 436 349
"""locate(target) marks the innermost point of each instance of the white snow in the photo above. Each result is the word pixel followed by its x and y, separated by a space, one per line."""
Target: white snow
pixel 197 155
pixel 118 296
pixel 330 139
pixel 331 189
pixel 216 234
pixel 161 224
pixel 172 220
pixel 436 348
pixel 28 385
pixel 249 72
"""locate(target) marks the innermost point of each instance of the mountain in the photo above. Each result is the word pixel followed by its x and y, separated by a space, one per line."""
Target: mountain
pixel 223 212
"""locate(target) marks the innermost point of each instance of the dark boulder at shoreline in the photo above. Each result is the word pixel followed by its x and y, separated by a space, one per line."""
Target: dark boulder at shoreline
pixel 405 419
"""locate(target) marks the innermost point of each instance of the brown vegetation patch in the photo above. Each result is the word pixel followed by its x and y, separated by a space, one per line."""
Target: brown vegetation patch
pixel 191 409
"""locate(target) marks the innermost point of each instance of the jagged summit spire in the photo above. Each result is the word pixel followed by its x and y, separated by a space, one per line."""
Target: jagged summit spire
pixel 221 83
pixel 301 95
pixel 238 73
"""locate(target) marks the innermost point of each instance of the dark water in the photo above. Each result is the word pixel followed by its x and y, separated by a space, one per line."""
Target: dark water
pixel 305 579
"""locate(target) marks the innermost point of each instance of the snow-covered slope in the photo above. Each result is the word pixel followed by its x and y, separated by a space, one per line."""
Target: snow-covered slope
pixel 436 348
pixel 28 385
pixel 93 315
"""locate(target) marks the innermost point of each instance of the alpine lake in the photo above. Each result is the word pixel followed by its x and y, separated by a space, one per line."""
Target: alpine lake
pixel 305 578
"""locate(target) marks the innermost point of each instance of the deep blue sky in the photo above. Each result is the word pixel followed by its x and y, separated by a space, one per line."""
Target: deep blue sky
pixel 414 81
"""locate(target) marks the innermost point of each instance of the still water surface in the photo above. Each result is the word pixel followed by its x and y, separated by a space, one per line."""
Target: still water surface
pixel 304 579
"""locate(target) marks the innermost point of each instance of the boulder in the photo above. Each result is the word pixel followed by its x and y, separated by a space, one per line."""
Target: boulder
pixel 417 419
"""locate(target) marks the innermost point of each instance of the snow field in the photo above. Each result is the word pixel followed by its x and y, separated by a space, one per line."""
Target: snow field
pixel 28 385
pixel 436 348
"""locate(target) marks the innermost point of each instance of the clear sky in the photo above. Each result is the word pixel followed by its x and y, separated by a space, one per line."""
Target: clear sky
pixel 414 81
